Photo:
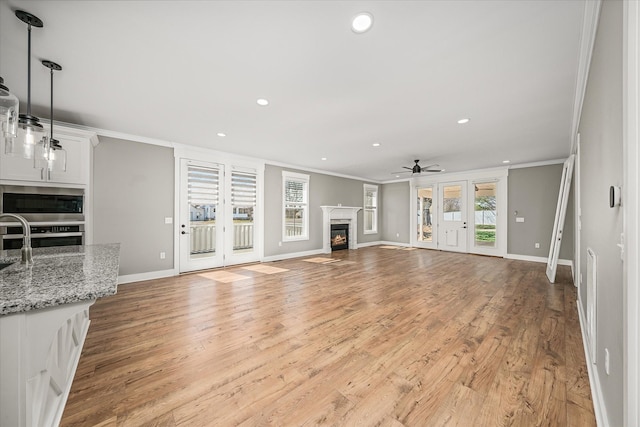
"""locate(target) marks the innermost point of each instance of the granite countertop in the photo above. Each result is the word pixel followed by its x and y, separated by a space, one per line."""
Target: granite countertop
pixel 59 275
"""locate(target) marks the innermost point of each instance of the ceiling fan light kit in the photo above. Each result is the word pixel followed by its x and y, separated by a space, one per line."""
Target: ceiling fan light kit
pixel 417 169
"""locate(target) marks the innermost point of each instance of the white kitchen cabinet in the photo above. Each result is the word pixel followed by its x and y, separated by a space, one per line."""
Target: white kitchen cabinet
pixel 77 145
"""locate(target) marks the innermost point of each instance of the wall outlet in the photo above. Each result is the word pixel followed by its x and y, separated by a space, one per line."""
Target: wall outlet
pixel 397 234
pixel 163 255
pixel 168 220
pixel 279 243
pixel 537 245
pixel 606 361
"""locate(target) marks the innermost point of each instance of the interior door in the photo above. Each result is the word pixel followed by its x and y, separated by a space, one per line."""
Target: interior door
pixel 426 217
pixel 453 217
pixel 201 215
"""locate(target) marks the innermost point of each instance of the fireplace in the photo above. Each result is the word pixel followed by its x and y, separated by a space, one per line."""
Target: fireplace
pixel 339 215
pixel 339 236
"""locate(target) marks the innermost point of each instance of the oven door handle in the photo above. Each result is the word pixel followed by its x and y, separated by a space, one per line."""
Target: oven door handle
pixel 43 235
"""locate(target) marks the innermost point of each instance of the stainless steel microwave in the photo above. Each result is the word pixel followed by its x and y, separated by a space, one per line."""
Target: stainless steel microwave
pixel 43 204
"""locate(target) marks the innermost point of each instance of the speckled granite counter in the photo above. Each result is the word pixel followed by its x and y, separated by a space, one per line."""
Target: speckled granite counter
pixel 44 320
pixel 60 275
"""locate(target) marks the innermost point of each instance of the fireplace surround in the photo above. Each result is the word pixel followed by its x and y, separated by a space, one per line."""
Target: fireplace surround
pixel 339 215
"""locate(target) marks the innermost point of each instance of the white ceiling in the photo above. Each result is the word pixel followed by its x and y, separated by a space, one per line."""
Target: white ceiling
pixel 181 71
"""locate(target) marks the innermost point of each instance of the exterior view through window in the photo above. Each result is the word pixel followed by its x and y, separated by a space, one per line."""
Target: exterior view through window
pixel 485 214
pixel 203 205
pixel 296 206
pixel 425 214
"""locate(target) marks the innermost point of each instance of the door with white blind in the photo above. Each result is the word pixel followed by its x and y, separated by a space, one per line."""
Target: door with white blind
pixel 241 220
pixel 202 222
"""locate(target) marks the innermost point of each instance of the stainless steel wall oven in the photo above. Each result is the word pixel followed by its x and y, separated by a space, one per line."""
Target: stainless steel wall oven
pixel 56 215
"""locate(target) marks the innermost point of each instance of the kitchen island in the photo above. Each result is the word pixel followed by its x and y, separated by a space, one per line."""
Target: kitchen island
pixel 44 319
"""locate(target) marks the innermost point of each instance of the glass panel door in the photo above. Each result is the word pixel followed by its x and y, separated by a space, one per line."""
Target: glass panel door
pixel 200 214
pixel 241 231
pixel 485 219
pixel 453 224
pixel 426 218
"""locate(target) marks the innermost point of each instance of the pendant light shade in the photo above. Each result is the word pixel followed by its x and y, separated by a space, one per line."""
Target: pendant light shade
pixel 9 109
pixel 49 153
pixel 30 131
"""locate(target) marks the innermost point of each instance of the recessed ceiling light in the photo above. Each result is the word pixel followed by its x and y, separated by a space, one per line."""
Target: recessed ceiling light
pixel 262 102
pixel 463 121
pixel 506 161
pixel 362 22
pixel 376 144
pixel 324 158
pixel 397 176
pixel 221 134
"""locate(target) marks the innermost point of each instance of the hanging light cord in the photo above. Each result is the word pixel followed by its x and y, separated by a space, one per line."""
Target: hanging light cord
pixel 29 70
pixel 51 113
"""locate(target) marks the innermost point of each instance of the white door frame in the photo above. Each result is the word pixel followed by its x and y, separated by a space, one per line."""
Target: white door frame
pixel 631 210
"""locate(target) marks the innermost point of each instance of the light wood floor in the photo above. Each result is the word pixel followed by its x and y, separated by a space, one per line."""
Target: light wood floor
pixel 383 337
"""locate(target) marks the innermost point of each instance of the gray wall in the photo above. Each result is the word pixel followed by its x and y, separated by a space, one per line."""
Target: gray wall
pixel 601 165
pixel 323 190
pixel 133 193
pixel 396 212
pixel 533 192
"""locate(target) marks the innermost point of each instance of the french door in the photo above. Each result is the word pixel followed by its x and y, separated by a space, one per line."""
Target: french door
pixel 217 215
pixel 201 215
pixel 427 220
pixel 452 230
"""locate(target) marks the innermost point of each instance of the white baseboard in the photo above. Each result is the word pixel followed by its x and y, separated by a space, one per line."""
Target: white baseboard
pixel 364 245
pixel 384 242
pixel 280 257
pixel 538 259
pixel 129 278
pixel 602 420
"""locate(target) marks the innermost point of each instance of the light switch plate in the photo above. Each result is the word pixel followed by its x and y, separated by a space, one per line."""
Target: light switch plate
pixel 519 219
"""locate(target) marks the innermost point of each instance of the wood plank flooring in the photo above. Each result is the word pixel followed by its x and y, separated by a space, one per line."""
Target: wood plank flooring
pixel 378 337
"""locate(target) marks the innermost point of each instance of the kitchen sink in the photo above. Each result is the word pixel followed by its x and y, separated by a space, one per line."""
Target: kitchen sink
pixel 5 265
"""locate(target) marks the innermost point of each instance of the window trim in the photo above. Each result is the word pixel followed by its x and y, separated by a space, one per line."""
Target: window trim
pixel 304 179
pixel 374 209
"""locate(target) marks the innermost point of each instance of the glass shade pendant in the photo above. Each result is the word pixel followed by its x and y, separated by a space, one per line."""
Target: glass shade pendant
pixel 30 130
pixel 49 153
pixel 9 108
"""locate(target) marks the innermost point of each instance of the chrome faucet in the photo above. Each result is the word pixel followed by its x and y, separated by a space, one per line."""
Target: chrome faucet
pixel 27 256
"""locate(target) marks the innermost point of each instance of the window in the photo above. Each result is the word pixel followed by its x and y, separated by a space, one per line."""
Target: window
pixel 296 206
pixel 370 209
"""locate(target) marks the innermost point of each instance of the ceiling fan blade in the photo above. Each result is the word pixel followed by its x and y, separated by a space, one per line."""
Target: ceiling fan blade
pixel 429 166
pixel 393 173
pixel 431 170
pixel 408 168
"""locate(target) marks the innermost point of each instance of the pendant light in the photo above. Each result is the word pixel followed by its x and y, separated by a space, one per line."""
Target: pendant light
pixel 9 109
pixel 29 130
pixel 49 153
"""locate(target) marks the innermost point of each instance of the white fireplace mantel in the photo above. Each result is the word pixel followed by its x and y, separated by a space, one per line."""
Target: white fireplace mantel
pixel 342 215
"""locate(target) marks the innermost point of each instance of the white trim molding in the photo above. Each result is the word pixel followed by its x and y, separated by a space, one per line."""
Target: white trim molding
pixel 538 259
pixel 139 277
pixel 631 211
pixel 587 41
pixel 599 407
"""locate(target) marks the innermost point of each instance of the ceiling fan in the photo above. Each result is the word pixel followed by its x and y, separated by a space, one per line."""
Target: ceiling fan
pixel 417 169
